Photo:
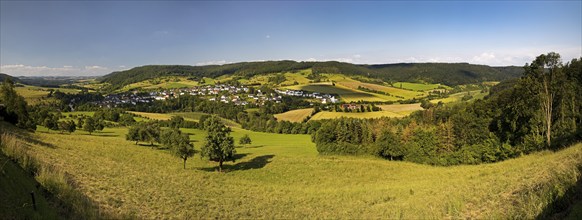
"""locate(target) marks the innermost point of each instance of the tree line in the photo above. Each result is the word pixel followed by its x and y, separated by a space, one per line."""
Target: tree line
pixel 541 110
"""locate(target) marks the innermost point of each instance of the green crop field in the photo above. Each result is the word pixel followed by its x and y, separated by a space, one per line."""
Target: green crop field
pixel 294 115
pixel 390 90
pixel 282 176
pixel 418 86
pixel 346 94
pixel 332 115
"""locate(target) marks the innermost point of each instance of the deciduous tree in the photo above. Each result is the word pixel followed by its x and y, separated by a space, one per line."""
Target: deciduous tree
pixel 219 146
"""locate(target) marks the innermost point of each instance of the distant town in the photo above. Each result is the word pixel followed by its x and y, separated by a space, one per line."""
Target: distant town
pixel 220 93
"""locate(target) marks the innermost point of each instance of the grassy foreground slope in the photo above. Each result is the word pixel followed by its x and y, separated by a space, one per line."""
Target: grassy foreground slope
pixel 282 176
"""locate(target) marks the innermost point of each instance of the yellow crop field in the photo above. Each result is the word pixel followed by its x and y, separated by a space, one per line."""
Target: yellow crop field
pixel 378 114
pixel 294 115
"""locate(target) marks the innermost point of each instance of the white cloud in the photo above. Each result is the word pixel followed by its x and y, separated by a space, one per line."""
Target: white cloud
pixel 95 68
pixel 212 62
pixel 67 70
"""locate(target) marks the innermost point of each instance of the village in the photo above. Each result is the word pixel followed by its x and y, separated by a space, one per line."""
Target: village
pixel 221 93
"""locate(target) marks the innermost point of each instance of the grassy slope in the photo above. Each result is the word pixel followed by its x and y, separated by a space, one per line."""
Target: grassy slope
pixel 390 90
pixel 331 115
pixel 294 115
pixel 15 199
pixel 345 93
pixel 35 94
pixel 418 86
pixel 190 116
pixel 282 176
pixel 162 83
pixel 456 97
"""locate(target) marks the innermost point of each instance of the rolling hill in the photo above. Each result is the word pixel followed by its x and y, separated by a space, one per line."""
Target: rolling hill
pixel 444 73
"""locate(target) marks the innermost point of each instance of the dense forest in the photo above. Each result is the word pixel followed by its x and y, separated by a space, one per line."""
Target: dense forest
pixel 445 73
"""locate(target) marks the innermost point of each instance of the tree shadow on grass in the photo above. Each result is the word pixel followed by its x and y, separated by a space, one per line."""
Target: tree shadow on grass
pixel 255 163
pixel 256 146
pixel 32 140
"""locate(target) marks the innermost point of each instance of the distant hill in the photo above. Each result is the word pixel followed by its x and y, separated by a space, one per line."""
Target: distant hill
pixel 4 76
pixel 445 73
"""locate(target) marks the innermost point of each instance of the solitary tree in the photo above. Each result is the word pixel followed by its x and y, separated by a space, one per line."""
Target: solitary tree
pixel 219 146
pixel 133 134
pixel 178 143
pixel 245 140
pixel 89 125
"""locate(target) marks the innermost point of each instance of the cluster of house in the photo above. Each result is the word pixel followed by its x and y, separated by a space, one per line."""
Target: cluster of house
pixel 221 93
pixel 324 98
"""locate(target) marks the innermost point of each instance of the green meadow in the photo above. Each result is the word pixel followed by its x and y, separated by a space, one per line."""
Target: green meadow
pixel 418 86
pixel 282 176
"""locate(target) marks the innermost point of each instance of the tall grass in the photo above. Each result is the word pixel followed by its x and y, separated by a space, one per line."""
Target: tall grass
pixel 73 203
pixel 282 176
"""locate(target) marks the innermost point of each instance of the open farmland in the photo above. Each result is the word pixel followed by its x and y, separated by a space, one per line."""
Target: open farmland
pixel 418 86
pixel 401 108
pixel 332 115
pixel 162 83
pixel 346 94
pixel 405 94
pixel 457 97
pixel 34 95
pixel 294 115
pixel 282 176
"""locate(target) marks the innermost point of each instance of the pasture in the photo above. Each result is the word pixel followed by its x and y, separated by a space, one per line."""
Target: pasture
pixel 282 176
pixel 346 94
pixel 457 97
pixel 331 115
pixel 34 94
pixel 418 86
pixel 162 83
pixel 401 108
pixel 405 94
pixel 294 115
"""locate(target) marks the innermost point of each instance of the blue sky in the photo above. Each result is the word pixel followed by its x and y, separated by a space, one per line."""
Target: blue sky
pixel 95 38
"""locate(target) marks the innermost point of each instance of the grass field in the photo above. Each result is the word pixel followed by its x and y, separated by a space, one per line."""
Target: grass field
pixel 346 94
pixel 189 116
pixel 15 199
pixel 457 97
pixel 406 94
pixel 34 94
pixel 294 115
pixel 162 83
pixel 282 176
pixel 401 108
pixel 332 115
pixel 418 86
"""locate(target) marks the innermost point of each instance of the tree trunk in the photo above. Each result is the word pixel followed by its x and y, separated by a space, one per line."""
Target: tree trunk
pixel 220 166
pixel 135 142
pixel 185 163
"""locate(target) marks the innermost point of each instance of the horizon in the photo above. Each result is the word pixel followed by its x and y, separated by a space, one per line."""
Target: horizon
pixel 251 62
pixel 98 38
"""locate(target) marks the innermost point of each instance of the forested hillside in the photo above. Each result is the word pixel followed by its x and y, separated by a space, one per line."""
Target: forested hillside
pixel 5 76
pixel 444 73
